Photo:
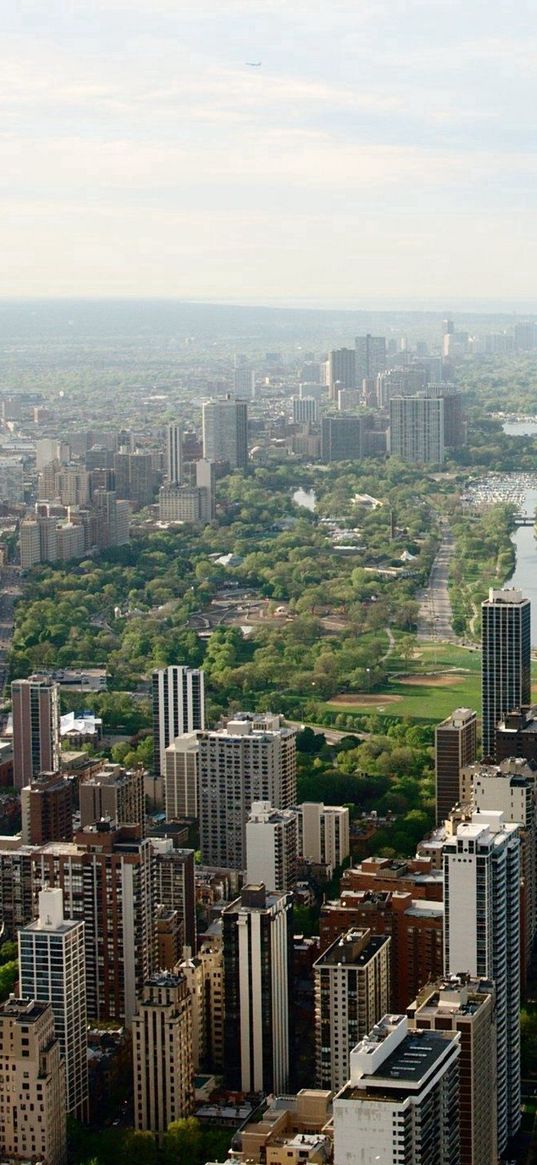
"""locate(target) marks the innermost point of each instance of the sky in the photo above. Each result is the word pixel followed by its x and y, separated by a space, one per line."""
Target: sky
pixel 384 152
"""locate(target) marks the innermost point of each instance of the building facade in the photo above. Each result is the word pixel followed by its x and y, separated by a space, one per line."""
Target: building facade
pixel 271 846
pixel 455 746
pixel 252 759
pixel 482 937
pixel 178 703
pixel 162 1053
pixel 417 429
pixel 36 729
pixel 505 659
pixel 352 993
pixel 53 970
pixel 400 1106
pixel 32 1125
pixel 257 931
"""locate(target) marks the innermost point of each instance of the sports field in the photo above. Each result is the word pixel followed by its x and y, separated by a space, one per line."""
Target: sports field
pixel 441 677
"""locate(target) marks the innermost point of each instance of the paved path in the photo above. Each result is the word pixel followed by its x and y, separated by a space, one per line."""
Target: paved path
pixel 435 617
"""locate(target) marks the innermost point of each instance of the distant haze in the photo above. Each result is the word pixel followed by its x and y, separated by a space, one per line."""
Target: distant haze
pixel 382 153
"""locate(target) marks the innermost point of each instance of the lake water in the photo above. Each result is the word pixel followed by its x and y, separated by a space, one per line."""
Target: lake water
pixel 306 498
pixel 525 575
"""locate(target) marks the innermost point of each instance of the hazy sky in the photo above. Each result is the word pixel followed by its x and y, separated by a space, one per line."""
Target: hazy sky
pixel 384 151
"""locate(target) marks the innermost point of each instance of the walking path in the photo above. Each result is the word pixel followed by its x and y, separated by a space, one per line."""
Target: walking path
pixel 435 617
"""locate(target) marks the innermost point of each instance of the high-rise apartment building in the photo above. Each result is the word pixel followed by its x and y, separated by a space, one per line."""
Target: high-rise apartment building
pixel 516 734
pixel 414 926
pixel 204 974
pixel 116 793
pixel 225 432
pixel 400 1106
pixel 465 1005
pixel 482 937
pixel 206 480
pixel 323 833
pixel 341 371
pixel 417 429
pixel 370 357
pixel 47 810
pixel 190 504
pixel 162 1053
pixel 258 991
pixel 174 453
pixel 352 993
pixel 506 659
pixel 32 1124
pixel 52 970
pixel 181 777
pixel 36 728
pixel 511 788
pixel 341 437
pixel 107 880
pixel 174 884
pixel 252 759
pixel 271 846
pixel 178 707
pixel 305 410
pixel 455 747
pixel 244 381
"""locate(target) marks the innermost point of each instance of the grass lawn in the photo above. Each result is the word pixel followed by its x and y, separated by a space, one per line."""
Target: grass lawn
pixel 430 697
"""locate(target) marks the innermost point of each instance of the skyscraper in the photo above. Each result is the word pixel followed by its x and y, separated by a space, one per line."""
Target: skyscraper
pixel 506 659
pixel 341 370
pixel 225 431
pixel 36 728
pixel 271 846
pixel 417 429
pixel 252 759
pixel 178 707
pixel 32 1125
pixel 352 993
pixel 174 453
pixel 53 970
pixel 370 357
pixel 107 880
pixel 181 782
pixel 323 833
pixel 461 1004
pixel 258 990
pixel 400 1106
pixel 341 437
pixel 455 747
pixel 162 1053
pixel 482 937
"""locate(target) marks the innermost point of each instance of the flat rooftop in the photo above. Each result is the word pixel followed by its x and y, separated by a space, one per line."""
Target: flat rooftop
pixel 352 950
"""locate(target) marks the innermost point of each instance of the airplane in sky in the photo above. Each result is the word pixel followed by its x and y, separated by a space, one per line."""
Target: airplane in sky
pixel 254 64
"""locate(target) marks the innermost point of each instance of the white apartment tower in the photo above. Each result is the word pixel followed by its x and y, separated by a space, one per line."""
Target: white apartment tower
pixel 181 777
pixel 271 846
pixel 225 431
pixel 417 429
pixel 400 1106
pixel 174 453
pixel 252 759
pixel 178 698
pixel 352 993
pixel 482 937
pixel 323 833
pixel 53 970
